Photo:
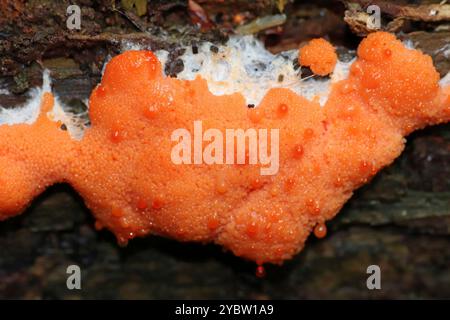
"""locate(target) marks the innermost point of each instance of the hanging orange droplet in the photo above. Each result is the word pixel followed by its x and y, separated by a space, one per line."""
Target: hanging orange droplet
pixel 320 230
pixel 260 271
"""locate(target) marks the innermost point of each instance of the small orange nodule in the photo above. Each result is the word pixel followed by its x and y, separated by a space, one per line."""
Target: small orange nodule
pixel 365 167
pixel 255 115
pixel 151 112
pixel 116 134
pixel 387 53
pixel 251 230
pixel 256 183
pixel 319 55
pixel 157 202
pixel 320 230
pixel 338 182
pixel 298 151
pixel 221 186
pixel 142 204
pixel 117 212
pixel 124 223
pixel 282 110
pixel 308 134
pixel 213 224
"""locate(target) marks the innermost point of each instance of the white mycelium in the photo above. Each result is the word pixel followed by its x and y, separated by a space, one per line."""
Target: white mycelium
pixel 241 65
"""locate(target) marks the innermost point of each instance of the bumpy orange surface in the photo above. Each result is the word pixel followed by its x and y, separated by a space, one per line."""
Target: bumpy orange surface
pixel 123 170
pixel 319 55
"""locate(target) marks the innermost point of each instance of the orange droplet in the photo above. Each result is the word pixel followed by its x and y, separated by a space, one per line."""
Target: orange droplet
pixel 255 115
pixel 320 230
pixel 308 134
pixel 282 110
pixel 117 212
pixel 221 186
pixel 142 204
pixel 213 224
pixel 298 151
pixel 365 167
pixel 151 112
pixel 338 182
pixel 157 202
pixel 256 183
pixel 251 230
pixel 124 223
pixel 260 271
pixel 116 135
pixel 387 53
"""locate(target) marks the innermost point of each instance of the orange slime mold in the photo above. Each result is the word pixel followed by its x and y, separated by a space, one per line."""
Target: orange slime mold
pixel 319 55
pixel 123 170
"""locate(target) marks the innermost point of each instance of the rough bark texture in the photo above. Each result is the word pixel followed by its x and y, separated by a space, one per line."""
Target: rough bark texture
pixel 400 221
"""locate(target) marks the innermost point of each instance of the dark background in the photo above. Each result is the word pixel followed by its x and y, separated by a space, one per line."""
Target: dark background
pixel 400 221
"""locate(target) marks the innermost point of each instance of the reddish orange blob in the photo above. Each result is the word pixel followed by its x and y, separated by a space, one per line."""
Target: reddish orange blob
pixel 390 92
pixel 282 110
pixel 320 230
pixel 251 230
pixel 308 134
pixel 158 202
pixel 117 212
pixel 142 204
pixel 213 224
pixel 151 112
pixel 255 115
pixel 116 135
pixel 260 272
pixel 319 55
pixel 298 151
